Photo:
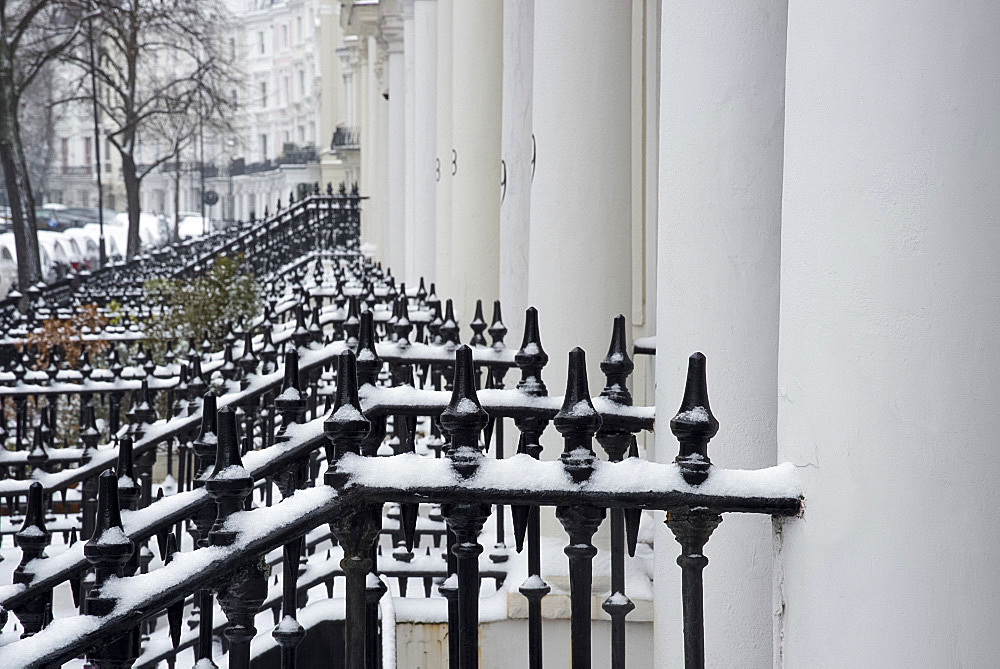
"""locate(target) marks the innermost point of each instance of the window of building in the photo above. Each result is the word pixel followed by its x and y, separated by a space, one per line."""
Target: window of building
pixel 260 42
pixel 312 132
pixel 298 28
pixel 263 94
pixel 263 147
pixel 302 83
pixel 284 35
pixel 287 81
pixel 64 151
pixel 302 134
pixel 88 158
pixel 85 198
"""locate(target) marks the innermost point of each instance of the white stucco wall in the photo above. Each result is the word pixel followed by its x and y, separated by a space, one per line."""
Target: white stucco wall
pixel 721 101
pixel 889 364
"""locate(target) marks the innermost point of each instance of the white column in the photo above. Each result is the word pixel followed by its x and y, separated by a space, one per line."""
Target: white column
pixel 579 273
pixel 515 209
pixel 391 27
pixel 477 82
pixel 381 106
pixel 409 144
pixel 721 105
pixel 425 127
pixel 442 152
pixel 889 362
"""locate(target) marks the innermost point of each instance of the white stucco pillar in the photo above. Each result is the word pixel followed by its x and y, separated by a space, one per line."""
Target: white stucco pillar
pixel 721 110
pixel 381 113
pixel 889 362
pixel 409 143
pixel 373 212
pixel 442 151
pixel 579 274
pixel 425 139
pixel 391 27
pixel 515 208
pixel 477 83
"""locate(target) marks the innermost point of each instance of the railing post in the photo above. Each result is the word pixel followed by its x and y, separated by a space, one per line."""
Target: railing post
pixel 694 425
pixel 108 550
pixel 244 590
pixel 531 359
pixel 463 420
pixel 32 539
pixel 356 526
pixel 577 422
pixel 617 366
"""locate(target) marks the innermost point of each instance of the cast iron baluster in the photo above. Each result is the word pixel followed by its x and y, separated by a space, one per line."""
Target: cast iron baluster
pixel 357 526
pixel 89 436
pixel 616 367
pixel 578 421
pixel 108 550
pixel 243 591
pixel 463 420
pixel 531 358
pixel 129 492
pixel 694 426
pixel 32 539
pixel 204 449
pixel 289 632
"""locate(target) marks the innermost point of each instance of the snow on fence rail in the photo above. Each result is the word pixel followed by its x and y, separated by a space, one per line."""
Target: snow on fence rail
pixel 372 402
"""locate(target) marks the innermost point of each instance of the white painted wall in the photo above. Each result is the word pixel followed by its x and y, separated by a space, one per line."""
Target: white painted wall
pixel 890 320
pixel 721 102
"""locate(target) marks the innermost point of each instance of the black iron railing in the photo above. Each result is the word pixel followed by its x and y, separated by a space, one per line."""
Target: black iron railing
pixel 348 395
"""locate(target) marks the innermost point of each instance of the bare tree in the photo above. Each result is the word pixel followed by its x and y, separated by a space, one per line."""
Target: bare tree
pixel 32 33
pixel 161 71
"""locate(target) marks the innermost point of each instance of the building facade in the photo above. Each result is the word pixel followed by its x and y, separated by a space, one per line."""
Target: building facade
pixel 804 193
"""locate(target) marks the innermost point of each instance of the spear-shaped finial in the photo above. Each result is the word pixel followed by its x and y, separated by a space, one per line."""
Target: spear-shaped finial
pixel 464 417
pixel 694 425
pixel 531 357
pixel 577 420
pixel 346 426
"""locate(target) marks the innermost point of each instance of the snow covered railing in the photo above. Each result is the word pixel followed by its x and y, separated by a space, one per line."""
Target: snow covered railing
pixel 364 417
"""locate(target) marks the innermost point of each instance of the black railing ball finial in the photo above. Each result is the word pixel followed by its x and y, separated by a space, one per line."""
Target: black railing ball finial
pixel 346 426
pixel 694 425
pixel 464 418
pixel 531 357
pixel 577 420
pixel 229 482
pixel 617 366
